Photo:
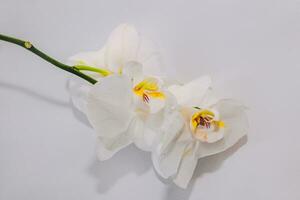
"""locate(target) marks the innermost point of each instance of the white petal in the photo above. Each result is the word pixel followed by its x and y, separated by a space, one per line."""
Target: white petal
pixel 138 130
pixel 126 44
pixel 107 147
pixel 168 162
pixel 145 141
pixel 168 145
pixel 156 164
pixel 169 159
pixel 121 47
pixel 191 93
pixel 208 99
pixel 79 89
pixel 187 167
pixel 156 105
pixel 151 59
pixel 147 132
pixel 109 106
pixel 134 70
pixel 209 136
pixel 172 126
pixel 114 90
pixel 170 82
pixel 236 126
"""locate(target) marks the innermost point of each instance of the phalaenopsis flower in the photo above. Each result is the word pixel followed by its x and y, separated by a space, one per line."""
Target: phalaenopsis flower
pixel 211 126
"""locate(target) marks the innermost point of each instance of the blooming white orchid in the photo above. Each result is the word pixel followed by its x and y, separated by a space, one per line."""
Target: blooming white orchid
pixel 123 110
pixel 126 101
pixel 211 126
pixel 126 105
pixel 124 45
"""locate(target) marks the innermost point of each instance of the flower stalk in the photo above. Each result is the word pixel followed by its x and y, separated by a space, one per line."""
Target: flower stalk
pixel 28 45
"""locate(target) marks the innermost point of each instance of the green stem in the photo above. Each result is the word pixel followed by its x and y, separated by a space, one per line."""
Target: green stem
pixel 27 45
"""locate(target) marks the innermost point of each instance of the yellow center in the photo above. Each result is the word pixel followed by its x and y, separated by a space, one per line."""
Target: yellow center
pixel 205 119
pixel 148 88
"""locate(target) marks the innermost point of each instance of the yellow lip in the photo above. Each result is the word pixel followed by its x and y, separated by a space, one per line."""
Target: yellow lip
pixel 204 119
pixel 148 88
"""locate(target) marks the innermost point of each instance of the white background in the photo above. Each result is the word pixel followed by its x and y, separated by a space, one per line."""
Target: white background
pixel 251 49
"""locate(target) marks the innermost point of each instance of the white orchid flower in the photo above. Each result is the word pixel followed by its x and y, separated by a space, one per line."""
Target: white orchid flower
pixel 124 45
pixel 125 108
pixel 211 126
pixel 128 103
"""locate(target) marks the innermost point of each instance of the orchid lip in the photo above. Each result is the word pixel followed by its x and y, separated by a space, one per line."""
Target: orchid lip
pixel 203 124
pixel 147 89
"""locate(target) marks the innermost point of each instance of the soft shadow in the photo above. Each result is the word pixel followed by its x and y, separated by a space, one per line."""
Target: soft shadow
pixel 205 165
pixel 33 94
pixel 129 160
pixel 67 104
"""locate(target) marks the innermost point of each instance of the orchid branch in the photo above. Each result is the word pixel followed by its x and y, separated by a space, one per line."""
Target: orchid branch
pixel 27 45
